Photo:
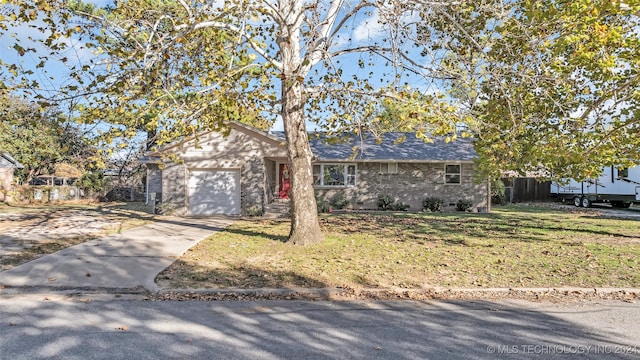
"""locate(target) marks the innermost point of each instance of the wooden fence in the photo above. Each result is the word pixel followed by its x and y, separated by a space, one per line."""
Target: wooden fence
pixel 526 190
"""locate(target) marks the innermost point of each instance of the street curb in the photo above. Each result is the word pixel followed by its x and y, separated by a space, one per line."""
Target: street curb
pixel 343 294
pixel 627 294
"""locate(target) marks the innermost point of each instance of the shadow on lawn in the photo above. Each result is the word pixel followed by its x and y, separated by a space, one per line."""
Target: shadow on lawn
pixel 279 238
pixel 182 274
pixel 455 228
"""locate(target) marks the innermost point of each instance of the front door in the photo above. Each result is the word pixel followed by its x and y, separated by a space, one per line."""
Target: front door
pixel 285 185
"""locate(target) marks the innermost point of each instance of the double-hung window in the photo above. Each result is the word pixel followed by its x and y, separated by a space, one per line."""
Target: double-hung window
pixel 389 168
pixel 336 175
pixel 452 173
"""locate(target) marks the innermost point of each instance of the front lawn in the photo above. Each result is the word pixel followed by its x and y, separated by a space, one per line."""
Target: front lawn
pixel 514 246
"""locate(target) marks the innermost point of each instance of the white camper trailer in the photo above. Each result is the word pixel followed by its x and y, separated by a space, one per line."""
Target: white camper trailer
pixel 618 186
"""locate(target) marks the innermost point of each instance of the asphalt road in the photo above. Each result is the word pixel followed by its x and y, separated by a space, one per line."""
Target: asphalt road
pixel 40 326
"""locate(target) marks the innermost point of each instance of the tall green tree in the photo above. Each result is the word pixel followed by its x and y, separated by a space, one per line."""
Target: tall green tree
pixel 40 138
pixel 552 86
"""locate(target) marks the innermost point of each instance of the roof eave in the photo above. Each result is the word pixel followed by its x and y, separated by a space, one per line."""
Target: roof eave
pixel 393 160
pixel 174 144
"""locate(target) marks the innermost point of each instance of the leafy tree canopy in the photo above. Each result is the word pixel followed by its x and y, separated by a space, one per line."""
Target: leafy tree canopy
pixel 552 85
pixel 41 139
pixel 544 86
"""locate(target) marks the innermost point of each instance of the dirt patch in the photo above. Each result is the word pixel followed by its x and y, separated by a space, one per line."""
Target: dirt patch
pixel 33 232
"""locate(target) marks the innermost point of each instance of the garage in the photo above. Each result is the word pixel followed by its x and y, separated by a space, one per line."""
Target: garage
pixel 214 192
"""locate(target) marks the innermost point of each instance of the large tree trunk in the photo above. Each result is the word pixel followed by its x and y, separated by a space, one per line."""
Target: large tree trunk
pixel 305 228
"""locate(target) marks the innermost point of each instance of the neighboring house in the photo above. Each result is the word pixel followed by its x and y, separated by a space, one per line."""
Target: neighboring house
pixel 7 166
pixel 249 168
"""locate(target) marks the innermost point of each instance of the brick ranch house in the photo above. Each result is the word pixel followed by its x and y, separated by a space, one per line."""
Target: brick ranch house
pixel 248 168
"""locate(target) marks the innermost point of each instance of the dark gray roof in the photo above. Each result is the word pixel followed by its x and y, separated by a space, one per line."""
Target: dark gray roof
pixel 367 148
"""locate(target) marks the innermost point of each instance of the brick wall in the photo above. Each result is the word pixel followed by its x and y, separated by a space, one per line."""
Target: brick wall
pixel 412 183
pixel 174 187
pixel 252 184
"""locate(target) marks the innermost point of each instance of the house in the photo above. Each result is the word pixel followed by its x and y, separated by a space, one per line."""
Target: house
pixel 248 168
pixel 7 166
pixel 401 165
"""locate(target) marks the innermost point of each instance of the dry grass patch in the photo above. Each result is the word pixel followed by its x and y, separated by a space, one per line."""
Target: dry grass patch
pixel 511 247
pixel 34 250
pixel 29 232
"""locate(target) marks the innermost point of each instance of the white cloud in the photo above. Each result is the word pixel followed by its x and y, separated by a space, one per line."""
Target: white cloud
pixel 278 125
pixel 369 29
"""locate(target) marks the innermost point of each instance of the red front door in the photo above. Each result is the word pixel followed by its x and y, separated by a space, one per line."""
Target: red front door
pixel 283 189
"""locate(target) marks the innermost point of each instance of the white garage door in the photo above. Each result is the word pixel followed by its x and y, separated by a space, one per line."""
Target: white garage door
pixel 214 192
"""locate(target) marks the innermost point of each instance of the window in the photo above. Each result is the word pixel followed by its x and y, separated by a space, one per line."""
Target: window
pixel 452 174
pixel 623 173
pixel 334 174
pixel 351 175
pixel 389 168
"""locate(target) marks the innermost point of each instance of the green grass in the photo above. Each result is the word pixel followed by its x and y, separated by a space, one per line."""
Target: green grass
pixel 513 246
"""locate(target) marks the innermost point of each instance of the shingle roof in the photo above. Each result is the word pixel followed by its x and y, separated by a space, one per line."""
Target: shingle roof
pixel 366 148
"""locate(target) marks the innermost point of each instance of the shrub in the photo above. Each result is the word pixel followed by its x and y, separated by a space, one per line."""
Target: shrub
pixel 498 196
pixel 93 183
pixel 399 206
pixel 165 209
pixel 321 204
pixel 339 201
pixel 464 205
pixel 255 210
pixel 433 204
pixel 386 202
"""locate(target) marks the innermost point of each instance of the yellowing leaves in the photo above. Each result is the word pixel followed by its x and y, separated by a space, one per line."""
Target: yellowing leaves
pixel 601 29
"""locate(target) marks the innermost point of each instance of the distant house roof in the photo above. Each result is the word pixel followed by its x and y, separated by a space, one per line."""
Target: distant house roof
pixel 394 146
pixel 7 161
